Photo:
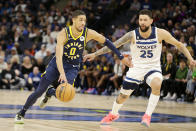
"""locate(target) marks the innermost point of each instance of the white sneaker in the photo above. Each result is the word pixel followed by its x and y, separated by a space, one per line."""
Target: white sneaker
pixel 167 97
pixel 44 101
pixel 174 97
pixel 19 119
pixel 78 89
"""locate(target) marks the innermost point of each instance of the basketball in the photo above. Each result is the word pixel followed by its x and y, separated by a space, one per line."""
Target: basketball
pixel 65 92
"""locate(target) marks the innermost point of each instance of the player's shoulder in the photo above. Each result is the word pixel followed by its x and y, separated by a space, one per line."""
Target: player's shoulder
pixel 62 35
pixel 161 30
pixel 62 31
pixel 91 31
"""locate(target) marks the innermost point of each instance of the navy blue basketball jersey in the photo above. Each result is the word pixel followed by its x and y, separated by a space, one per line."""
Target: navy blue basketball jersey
pixel 74 47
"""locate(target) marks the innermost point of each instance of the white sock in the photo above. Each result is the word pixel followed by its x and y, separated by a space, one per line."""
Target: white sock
pixel 116 107
pixel 152 103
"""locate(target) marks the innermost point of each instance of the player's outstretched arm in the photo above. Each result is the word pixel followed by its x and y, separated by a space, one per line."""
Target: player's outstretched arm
pixel 91 34
pixel 167 37
pixel 121 41
pixel 61 40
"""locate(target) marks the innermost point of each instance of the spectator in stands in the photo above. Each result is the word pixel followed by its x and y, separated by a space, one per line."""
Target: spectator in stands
pixel 13 52
pixel 146 5
pixel 15 61
pixel 39 63
pixel 192 44
pixel 115 80
pixel 3 64
pixel 41 53
pixel 54 33
pixel 120 31
pixel 51 46
pixel 27 67
pixel 191 84
pixel 48 57
pixel 34 77
pixel 46 37
pixel 8 77
pixel 104 75
pixel 168 72
pixel 135 6
pixel 180 80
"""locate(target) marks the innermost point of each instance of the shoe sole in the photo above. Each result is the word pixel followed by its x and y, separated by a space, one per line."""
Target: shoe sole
pixel 144 124
pixel 19 122
pixel 105 123
pixel 108 123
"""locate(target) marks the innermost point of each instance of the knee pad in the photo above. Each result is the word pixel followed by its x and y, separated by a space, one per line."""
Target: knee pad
pixel 128 88
pixel 130 85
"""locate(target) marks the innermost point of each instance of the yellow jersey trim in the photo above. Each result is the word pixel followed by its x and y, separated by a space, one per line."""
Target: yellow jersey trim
pixel 43 74
pixel 72 34
pixel 85 37
pixel 66 35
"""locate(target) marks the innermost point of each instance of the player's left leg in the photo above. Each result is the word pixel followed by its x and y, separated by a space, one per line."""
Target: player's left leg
pixel 154 80
pixel 125 92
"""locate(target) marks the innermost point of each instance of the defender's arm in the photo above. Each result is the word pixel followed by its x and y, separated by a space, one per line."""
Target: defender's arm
pixel 121 41
pixel 101 39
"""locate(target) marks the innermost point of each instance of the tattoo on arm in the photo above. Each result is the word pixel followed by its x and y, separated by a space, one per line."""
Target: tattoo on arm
pixel 123 40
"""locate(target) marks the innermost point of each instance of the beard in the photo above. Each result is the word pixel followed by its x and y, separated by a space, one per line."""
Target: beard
pixel 145 29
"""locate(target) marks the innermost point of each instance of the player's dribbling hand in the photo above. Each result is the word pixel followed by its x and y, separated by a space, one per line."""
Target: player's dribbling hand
pixel 89 57
pixel 127 60
pixel 62 78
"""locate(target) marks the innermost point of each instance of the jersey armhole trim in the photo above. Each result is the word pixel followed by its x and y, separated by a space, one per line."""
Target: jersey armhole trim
pixel 66 35
pixel 85 37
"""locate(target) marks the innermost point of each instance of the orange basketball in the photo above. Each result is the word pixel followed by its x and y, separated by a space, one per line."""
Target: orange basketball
pixel 65 92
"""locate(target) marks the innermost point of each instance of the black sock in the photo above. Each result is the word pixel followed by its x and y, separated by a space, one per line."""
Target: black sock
pixel 22 112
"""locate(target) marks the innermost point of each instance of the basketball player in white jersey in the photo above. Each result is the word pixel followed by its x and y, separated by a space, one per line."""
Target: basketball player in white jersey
pixel 146 46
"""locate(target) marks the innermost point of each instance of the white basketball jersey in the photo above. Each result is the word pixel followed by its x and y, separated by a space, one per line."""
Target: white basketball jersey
pixel 146 53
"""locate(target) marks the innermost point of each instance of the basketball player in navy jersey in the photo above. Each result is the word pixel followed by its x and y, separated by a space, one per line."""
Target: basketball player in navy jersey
pixel 146 46
pixel 71 42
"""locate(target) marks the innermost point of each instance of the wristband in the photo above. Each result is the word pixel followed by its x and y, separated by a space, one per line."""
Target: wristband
pixel 111 46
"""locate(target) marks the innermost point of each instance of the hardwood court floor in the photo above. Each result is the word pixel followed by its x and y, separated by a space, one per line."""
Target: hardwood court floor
pixel 85 111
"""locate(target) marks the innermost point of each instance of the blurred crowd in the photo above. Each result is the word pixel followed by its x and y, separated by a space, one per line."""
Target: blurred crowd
pixel 28 30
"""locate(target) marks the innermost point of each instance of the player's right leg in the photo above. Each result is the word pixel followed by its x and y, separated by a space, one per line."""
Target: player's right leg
pixel 125 92
pixel 71 73
pixel 51 91
pixel 47 97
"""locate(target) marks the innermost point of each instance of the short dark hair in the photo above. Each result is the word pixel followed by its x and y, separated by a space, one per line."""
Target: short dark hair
pixel 146 12
pixel 76 13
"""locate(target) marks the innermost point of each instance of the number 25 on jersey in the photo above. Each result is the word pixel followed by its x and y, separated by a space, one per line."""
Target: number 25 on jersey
pixel 146 54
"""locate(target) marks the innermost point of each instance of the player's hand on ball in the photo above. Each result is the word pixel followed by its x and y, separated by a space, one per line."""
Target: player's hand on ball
pixel 62 78
pixel 89 57
pixel 127 60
